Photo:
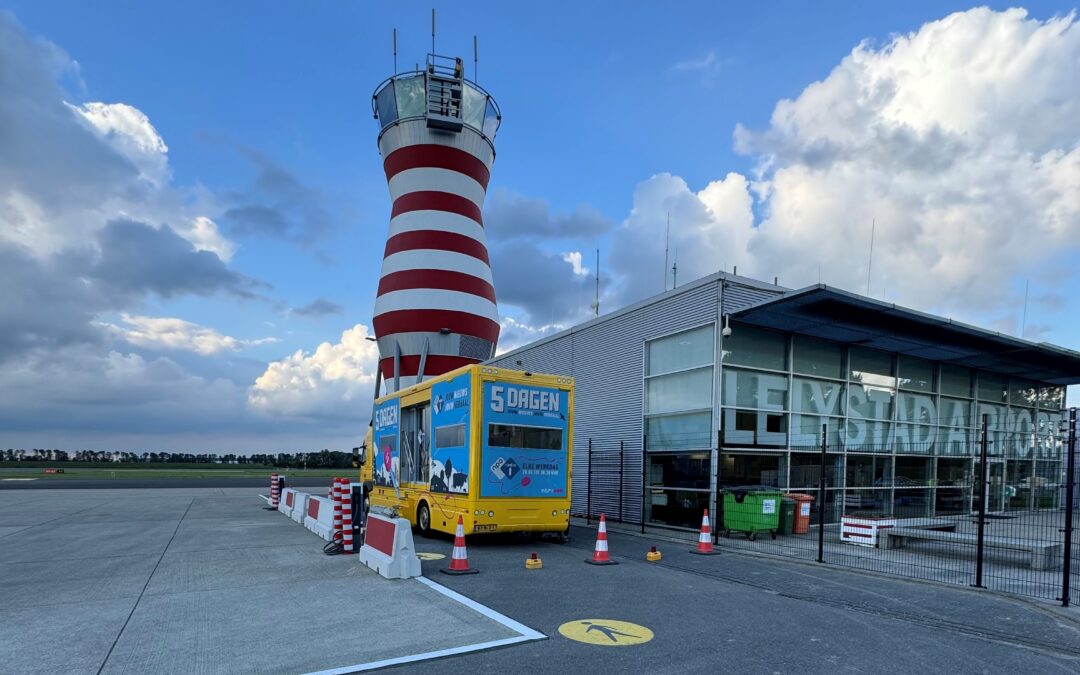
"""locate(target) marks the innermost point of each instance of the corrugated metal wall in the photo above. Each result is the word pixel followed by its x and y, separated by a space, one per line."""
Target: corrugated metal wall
pixel 605 357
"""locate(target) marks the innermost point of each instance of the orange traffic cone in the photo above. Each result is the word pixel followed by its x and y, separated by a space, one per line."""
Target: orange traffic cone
pixel 704 541
pixel 459 560
pixel 600 555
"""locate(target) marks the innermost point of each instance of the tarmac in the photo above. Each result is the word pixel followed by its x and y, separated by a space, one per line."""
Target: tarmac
pixel 200 581
pixel 206 581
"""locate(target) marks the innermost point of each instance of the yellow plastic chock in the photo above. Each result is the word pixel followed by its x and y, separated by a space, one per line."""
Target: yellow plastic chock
pixel 533 563
pixel 653 555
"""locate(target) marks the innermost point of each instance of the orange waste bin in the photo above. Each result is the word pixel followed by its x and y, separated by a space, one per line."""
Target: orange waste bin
pixel 802 512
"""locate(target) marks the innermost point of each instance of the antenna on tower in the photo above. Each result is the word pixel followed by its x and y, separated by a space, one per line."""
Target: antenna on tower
pixel 1023 321
pixel 667 239
pixel 596 303
pixel 675 270
pixel 475 59
pixel 395 51
pixel 870 264
pixel 432 30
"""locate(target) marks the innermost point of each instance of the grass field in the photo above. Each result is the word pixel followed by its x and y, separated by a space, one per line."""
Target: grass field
pixel 122 471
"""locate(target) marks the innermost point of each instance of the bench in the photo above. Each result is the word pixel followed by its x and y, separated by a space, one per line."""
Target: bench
pixel 1044 556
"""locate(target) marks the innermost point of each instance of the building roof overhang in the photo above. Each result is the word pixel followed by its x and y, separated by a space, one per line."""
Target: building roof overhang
pixel 831 314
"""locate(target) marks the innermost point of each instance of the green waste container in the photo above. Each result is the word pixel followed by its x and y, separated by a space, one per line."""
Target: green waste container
pixel 751 510
pixel 787 516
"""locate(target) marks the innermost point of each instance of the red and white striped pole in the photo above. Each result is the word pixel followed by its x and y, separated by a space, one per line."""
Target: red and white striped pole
pixel 275 496
pixel 346 516
pixel 337 509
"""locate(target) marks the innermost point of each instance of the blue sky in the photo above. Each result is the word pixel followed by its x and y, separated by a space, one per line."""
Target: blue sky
pixel 613 114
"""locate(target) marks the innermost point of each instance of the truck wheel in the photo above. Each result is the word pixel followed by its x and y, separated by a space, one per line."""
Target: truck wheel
pixel 423 519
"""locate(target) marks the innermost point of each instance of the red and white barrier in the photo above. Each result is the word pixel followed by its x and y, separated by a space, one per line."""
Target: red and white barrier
pixel 863 531
pixel 346 517
pixel 319 517
pixel 274 492
pixel 337 509
pixel 388 547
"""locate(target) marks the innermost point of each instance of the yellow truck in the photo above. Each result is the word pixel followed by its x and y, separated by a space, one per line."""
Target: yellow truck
pixel 491 445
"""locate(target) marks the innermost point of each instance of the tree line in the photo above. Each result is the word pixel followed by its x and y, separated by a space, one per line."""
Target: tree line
pixel 328 459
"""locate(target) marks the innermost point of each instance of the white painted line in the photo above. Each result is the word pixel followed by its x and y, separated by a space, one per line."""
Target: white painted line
pixel 525 634
pixel 483 609
pixel 265 499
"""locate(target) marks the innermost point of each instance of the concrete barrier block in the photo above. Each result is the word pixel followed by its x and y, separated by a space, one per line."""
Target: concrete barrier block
pixel 388 547
pixel 320 516
pixel 288 501
pixel 300 506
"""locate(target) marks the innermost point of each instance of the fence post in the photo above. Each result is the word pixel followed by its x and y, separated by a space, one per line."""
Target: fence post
pixel 620 479
pixel 1070 487
pixel 717 501
pixel 821 495
pixel 588 485
pixel 980 543
pixel 644 451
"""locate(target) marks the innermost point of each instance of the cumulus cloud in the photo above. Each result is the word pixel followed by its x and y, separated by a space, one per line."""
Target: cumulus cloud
pixel 710 229
pixel 960 140
pixel 335 381
pixel 172 333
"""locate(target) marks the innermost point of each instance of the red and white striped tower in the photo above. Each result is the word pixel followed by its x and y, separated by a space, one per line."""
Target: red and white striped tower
pixel 346 516
pixel 337 508
pixel 435 307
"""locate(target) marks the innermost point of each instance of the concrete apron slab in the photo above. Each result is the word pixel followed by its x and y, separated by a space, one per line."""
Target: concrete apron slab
pixel 336 625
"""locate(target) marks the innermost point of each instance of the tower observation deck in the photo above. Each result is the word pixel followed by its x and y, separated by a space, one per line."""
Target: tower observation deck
pixel 435 308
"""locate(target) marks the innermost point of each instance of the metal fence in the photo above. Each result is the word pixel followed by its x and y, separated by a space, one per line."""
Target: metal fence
pixel 612 476
pixel 962 532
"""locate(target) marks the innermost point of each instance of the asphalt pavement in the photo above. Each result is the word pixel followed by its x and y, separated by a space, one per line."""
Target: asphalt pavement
pixel 743 613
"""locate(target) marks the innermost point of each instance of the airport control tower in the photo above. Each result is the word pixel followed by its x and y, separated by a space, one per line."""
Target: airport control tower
pixel 435 308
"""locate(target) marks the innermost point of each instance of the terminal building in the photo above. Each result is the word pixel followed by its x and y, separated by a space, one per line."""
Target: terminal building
pixel 729 381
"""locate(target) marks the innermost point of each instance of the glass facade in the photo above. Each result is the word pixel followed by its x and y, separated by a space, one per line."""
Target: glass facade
pixel 678 403
pixel 902 432
pixel 405 96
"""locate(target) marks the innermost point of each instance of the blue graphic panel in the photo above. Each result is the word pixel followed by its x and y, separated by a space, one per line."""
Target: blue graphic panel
pixel 450 417
pixel 385 434
pixel 524 437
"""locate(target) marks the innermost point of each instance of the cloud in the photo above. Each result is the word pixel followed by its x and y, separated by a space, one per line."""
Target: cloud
pixel 510 215
pixel 547 287
pixel 177 334
pixel 334 382
pixel 515 333
pixel 318 307
pixel 710 230
pixel 129 131
pixel 544 284
pixel 960 140
pixel 707 66
pixel 277 205
pixel 86 389
pixel 136 257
